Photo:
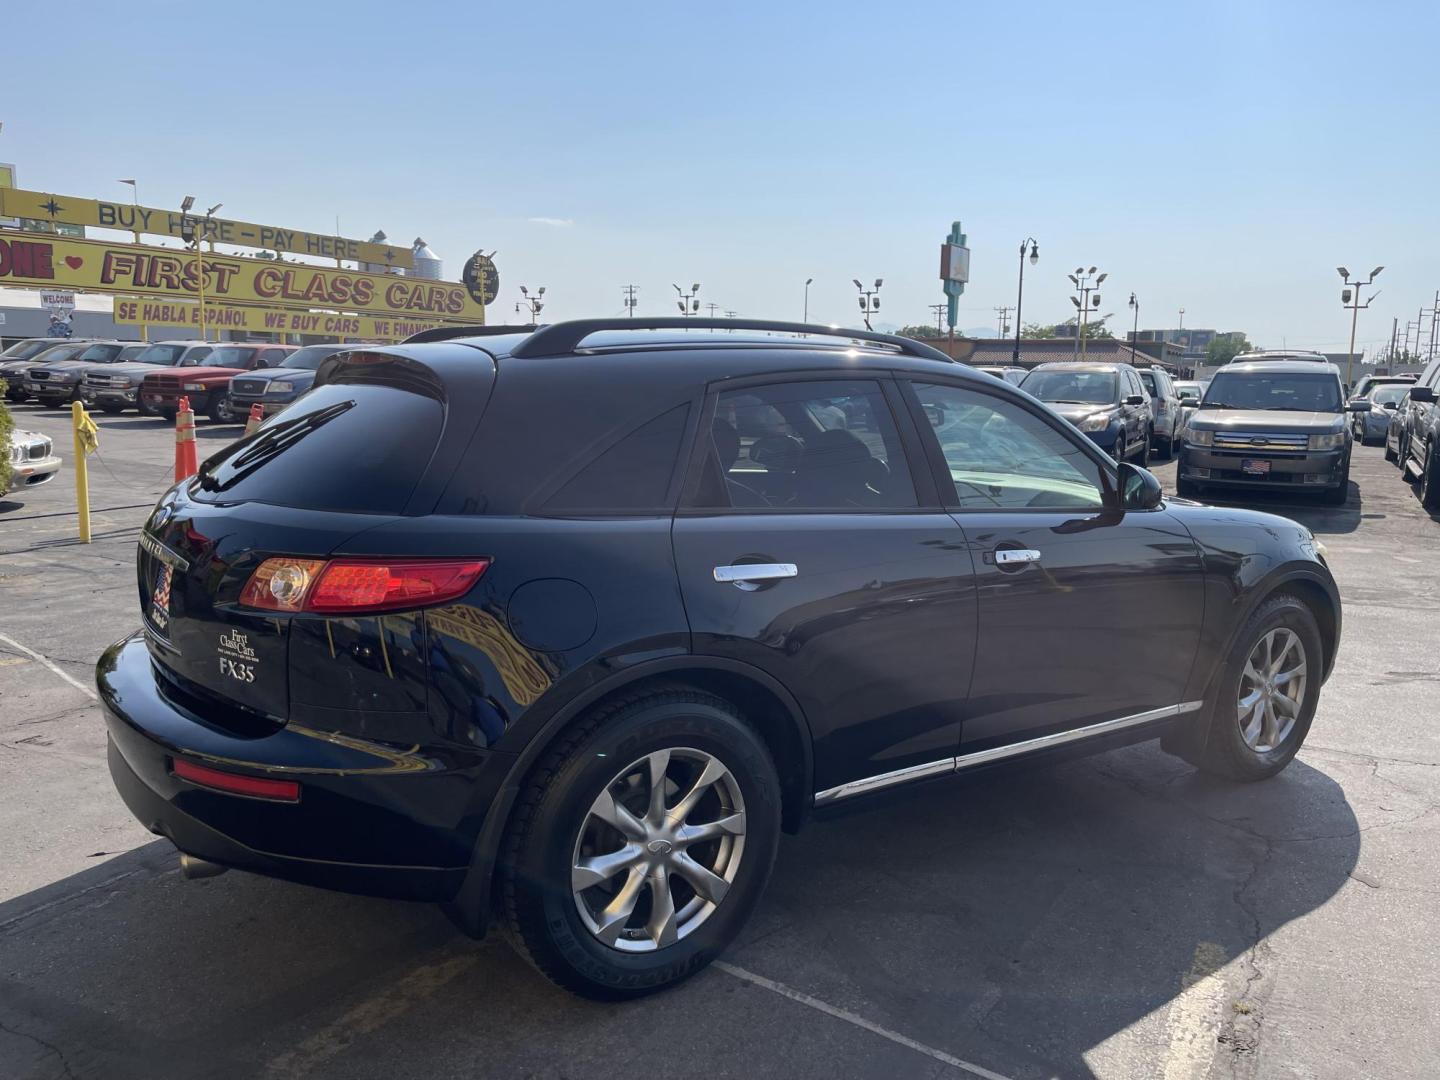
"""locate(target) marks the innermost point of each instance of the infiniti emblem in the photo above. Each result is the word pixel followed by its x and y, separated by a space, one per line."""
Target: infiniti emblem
pixel 660 847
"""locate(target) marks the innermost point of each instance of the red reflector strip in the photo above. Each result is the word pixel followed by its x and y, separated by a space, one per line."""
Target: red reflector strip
pixel 234 784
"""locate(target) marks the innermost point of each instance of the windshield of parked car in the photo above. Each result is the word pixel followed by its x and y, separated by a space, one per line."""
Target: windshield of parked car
pixel 102 353
pixel 309 358
pixel 1274 391
pixel 24 350
pixel 1187 390
pixel 1389 392
pixel 59 352
pixel 1071 387
pixel 164 355
pixel 230 356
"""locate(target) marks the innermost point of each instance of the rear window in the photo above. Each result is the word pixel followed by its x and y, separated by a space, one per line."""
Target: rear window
pixel 634 474
pixel 345 447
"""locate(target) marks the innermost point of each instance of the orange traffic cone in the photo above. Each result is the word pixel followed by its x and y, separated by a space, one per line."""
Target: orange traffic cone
pixel 184 441
pixel 257 414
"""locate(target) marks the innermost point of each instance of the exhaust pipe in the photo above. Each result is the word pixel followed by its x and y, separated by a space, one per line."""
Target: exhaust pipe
pixel 194 869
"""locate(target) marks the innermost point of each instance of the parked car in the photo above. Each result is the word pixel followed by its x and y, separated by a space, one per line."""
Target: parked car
pixel 1368 382
pixel 1013 375
pixel 1420 439
pixel 12 370
pixel 60 382
pixel 32 460
pixel 1384 398
pixel 1305 356
pixel 1104 400
pixel 1164 407
pixel 208 387
pixel 119 386
pixel 523 623
pixel 1270 424
pixel 1396 428
pixel 275 388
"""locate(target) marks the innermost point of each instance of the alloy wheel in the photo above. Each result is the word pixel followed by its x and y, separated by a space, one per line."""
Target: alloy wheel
pixel 1272 690
pixel 658 850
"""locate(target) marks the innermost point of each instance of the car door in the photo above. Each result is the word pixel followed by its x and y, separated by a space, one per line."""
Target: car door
pixel 1420 419
pixel 809 548
pixel 1088 614
pixel 1137 417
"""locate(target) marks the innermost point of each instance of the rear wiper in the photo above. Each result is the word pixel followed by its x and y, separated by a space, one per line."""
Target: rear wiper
pixel 271 443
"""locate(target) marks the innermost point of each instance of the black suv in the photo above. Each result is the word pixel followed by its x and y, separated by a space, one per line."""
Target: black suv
pixel 1419 451
pixel 565 626
pixel 1108 402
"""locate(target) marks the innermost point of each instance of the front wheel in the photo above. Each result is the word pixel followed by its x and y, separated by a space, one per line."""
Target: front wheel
pixel 220 410
pixel 1145 450
pixel 1338 495
pixel 1265 694
pixel 1390 455
pixel 641 844
pixel 1120 451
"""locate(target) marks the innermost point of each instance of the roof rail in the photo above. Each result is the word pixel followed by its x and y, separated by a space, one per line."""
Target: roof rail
pixel 562 339
pixel 446 333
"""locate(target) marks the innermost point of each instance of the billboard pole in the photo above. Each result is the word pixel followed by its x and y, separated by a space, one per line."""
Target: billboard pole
pixel 954 272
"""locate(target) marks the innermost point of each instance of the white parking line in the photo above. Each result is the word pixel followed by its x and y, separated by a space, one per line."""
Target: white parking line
pixel 1195 1015
pixel 87 691
pixel 859 1021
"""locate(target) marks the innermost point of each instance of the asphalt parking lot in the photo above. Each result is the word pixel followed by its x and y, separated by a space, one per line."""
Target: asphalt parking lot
pixel 1118 916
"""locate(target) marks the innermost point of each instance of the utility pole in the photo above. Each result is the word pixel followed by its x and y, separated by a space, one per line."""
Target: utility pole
pixel 1434 318
pixel 1350 297
pixel 712 306
pixel 1004 312
pixel 938 310
pixel 630 301
pixel 1394 331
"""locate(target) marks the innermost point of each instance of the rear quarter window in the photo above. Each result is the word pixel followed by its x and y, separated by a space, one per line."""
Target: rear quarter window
pixel 346 447
pixel 633 475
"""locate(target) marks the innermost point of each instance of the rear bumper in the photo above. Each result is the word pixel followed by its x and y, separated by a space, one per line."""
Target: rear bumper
pixel 1315 471
pixel 371 818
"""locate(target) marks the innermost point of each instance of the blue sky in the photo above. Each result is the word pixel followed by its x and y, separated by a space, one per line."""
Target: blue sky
pixel 1223 157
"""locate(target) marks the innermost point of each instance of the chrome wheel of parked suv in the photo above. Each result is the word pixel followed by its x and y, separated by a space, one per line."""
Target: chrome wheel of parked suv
pixel 1265 697
pixel 620 882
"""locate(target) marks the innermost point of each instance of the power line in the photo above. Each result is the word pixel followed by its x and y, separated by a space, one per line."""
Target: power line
pixel 630 301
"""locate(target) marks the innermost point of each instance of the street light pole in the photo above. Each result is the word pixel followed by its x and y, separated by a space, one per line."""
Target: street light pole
pixel 1352 301
pixel 687 303
pixel 1020 294
pixel 1135 331
pixel 806 317
pixel 869 299
pixel 1081 280
pixel 533 303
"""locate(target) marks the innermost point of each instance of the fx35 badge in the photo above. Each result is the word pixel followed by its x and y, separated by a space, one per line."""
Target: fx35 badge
pixel 237 657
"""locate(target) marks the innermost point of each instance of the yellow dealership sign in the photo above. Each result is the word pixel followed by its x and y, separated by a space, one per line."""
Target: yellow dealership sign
pixel 52 262
pixel 103 214
pixel 134 312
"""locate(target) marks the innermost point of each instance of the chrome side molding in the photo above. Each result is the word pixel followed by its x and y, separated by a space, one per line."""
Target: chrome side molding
pixel 999 753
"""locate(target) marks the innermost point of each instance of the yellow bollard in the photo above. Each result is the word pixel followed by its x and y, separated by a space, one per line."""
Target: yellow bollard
pixel 79 421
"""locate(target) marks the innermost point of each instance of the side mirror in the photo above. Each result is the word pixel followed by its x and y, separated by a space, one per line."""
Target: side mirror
pixel 935 414
pixel 1392 405
pixel 1359 405
pixel 1135 399
pixel 1139 489
pixel 1424 394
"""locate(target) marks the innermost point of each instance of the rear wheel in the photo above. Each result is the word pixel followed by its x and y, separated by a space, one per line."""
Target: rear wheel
pixel 1430 480
pixel 641 844
pixel 220 410
pixel 1265 695
pixel 1390 454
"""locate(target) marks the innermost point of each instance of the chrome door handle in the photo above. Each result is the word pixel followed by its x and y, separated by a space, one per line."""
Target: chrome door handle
pixel 1014 556
pixel 745 575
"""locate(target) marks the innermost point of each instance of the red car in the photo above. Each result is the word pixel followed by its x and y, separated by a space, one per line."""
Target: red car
pixel 208 387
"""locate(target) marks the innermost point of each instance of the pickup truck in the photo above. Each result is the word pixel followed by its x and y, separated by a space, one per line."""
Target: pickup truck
pixel 208 387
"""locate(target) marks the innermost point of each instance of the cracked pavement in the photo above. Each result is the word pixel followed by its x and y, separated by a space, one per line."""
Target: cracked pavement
pixel 1115 916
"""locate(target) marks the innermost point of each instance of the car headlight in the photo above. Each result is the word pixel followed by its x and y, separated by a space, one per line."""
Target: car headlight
pixel 193 386
pixel 1096 422
pixel 1329 441
pixel 1199 436
pixel 281 386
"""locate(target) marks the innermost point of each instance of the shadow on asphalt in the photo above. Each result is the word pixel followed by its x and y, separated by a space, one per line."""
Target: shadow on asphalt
pixel 1017 921
pixel 1310 512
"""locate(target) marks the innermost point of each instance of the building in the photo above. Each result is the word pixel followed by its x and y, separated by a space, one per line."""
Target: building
pixel 1194 342
pixel 24 315
pixel 997 352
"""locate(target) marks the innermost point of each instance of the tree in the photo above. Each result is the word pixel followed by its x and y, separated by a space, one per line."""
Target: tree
pixel 1095 330
pixel 924 333
pixel 1225 347
pixel 6 426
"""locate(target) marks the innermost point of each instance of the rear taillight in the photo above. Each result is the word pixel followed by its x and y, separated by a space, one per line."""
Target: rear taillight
pixel 358 586
pixel 253 787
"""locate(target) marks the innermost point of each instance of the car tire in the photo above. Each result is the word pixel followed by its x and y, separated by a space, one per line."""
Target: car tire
pixel 1430 480
pixel 1230 751
pixel 1145 451
pixel 145 410
pixel 220 411
pixel 1119 451
pixel 1390 455
pixel 563 933
pixel 1186 489
pixel 1340 494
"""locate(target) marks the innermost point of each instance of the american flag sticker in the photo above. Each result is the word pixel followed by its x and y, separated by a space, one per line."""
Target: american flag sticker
pixel 160 601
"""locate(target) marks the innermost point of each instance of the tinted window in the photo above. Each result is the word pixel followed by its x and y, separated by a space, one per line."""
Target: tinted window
pixel 1148 378
pixel 1001 456
pixel 273 358
pixel 130 352
pixel 309 357
pixel 1303 391
pixel 1389 392
pixel 101 354
pixel 634 474
pixel 1075 387
pixel 377 437
pixel 194 356
pixel 24 350
pixel 818 445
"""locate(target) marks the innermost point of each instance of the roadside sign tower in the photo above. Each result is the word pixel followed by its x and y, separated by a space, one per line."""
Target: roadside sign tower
pixel 954 272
